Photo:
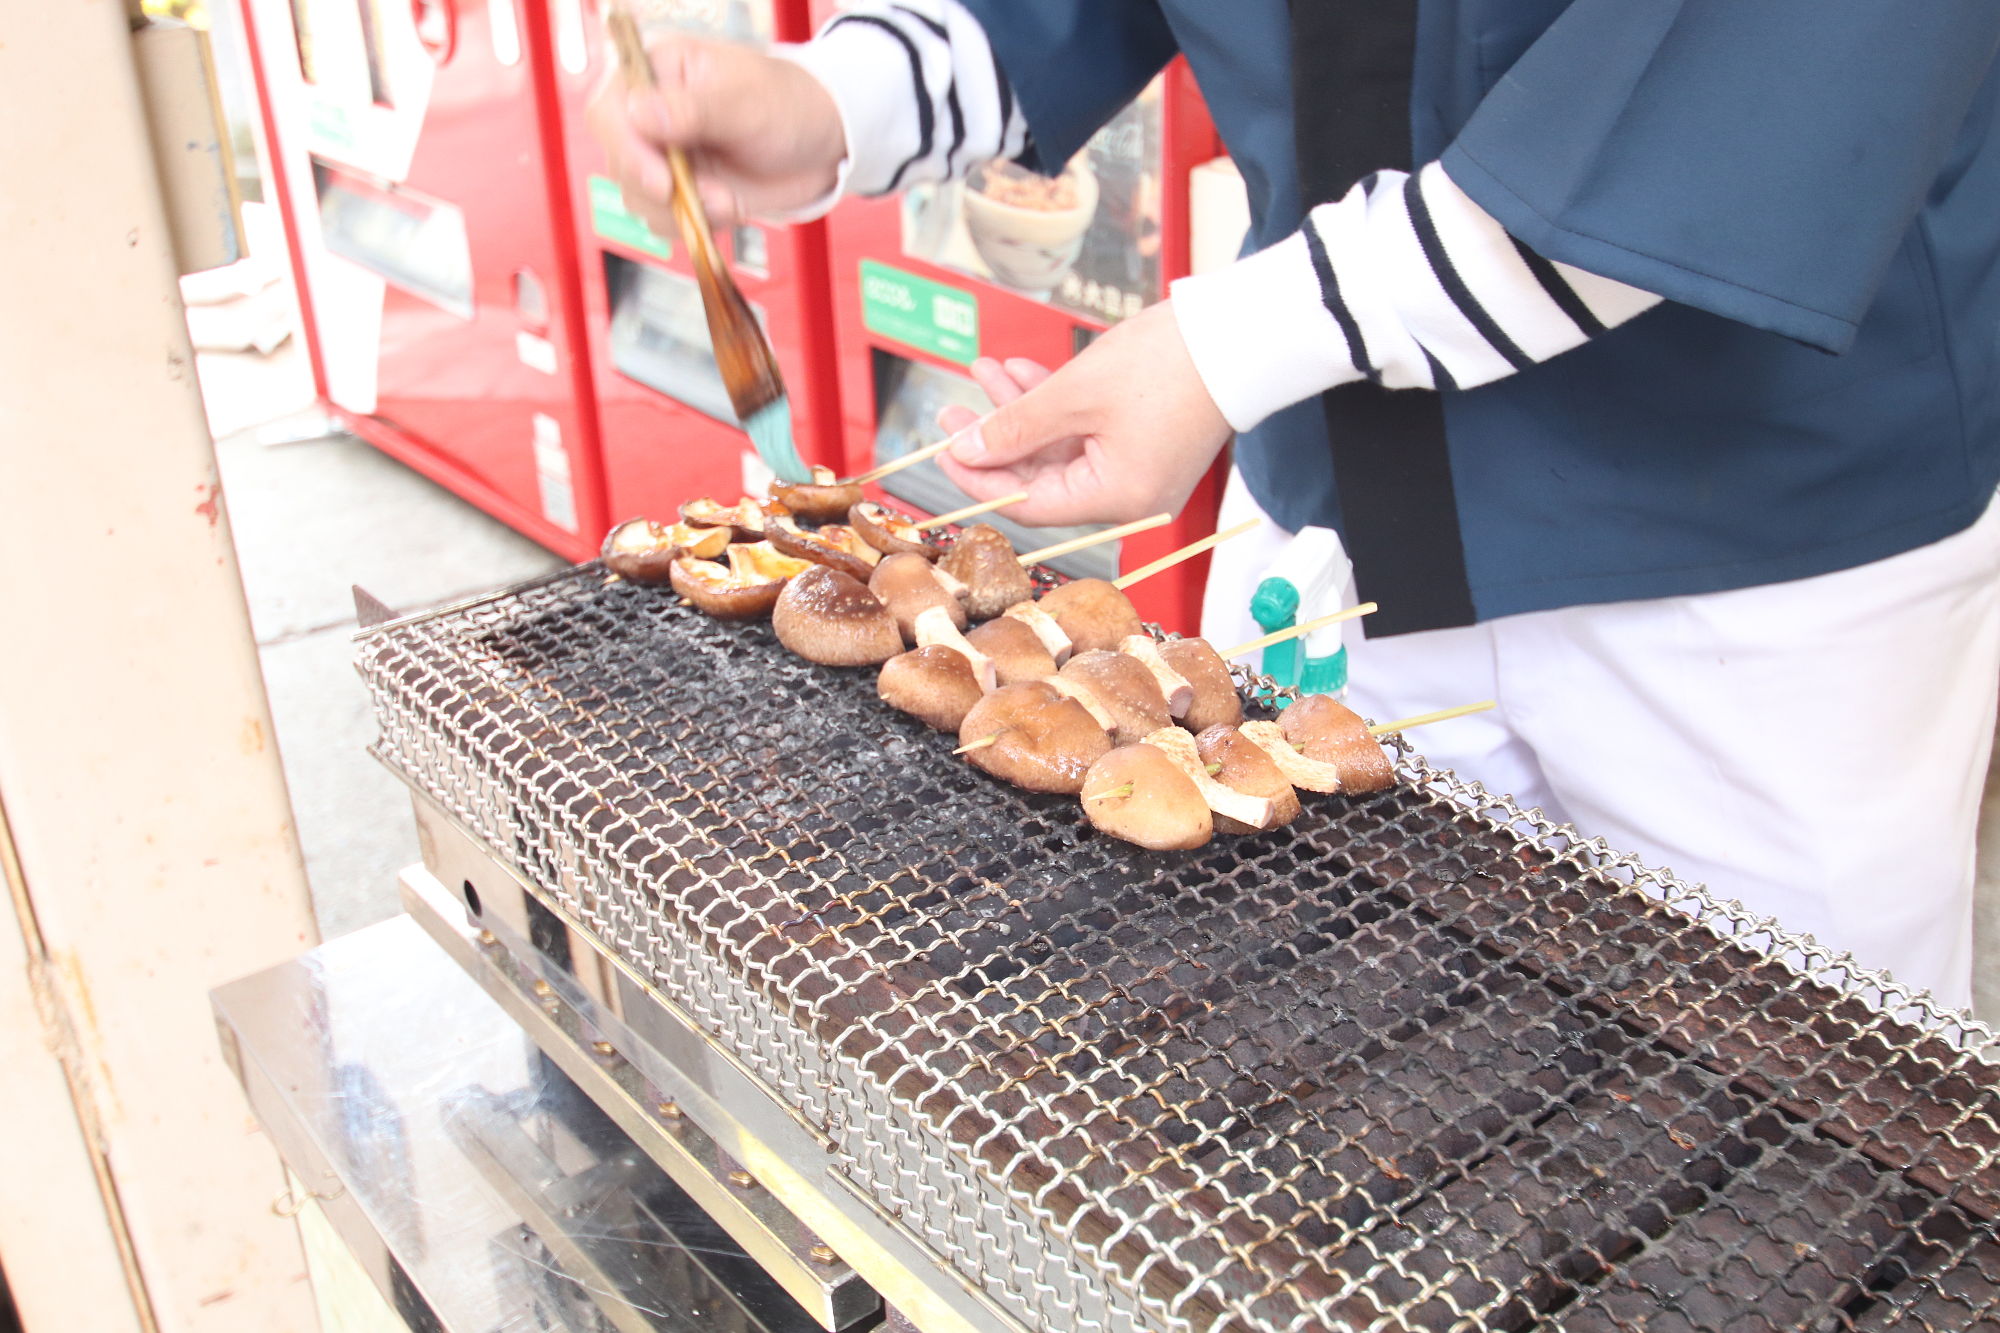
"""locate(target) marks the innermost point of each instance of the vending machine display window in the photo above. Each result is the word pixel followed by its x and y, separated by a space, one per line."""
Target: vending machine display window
pixel 908 396
pixel 415 242
pixel 1086 241
pixel 659 335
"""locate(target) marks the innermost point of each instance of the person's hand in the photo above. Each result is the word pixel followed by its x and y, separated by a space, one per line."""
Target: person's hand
pixel 762 135
pixel 1123 431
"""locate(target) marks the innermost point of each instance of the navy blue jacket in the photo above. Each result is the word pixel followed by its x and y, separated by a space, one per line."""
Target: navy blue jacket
pixel 1814 186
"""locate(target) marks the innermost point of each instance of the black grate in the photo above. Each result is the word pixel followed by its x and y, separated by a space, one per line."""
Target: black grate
pixel 1419 1061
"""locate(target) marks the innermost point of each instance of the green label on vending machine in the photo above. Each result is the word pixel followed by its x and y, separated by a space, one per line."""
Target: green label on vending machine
pixel 610 219
pixel 928 316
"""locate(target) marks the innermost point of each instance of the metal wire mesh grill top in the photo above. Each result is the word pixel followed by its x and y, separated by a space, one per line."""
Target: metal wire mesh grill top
pixel 1418 1061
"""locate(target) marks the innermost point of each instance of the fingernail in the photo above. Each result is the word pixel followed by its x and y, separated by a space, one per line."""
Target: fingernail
pixel 969 448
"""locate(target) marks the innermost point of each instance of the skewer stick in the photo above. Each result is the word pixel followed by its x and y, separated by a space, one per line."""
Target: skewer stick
pixel 1188 552
pixel 1092 539
pixel 1279 636
pixel 959 515
pixel 898 464
pixel 979 744
pixel 1443 713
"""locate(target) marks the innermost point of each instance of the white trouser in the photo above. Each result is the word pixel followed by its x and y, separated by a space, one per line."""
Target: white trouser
pixel 1815 749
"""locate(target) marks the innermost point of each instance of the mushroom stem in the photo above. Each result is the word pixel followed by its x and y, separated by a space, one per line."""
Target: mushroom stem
pixel 1112 794
pixel 979 744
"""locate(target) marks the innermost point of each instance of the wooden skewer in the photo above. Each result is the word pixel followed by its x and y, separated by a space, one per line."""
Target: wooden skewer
pixel 898 464
pixel 1439 716
pixel 1188 552
pixel 979 744
pixel 1092 539
pixel 959 515
pixel 1113 793
pixel 1279 636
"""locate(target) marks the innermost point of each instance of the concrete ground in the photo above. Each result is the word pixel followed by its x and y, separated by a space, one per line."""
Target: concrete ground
pixel 311 519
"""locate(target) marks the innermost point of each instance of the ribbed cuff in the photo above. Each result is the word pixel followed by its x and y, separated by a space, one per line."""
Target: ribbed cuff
pixel 1259 335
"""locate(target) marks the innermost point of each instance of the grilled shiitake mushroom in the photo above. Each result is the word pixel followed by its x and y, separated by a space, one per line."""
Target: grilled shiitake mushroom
pixel 1094 613
pixel 821 500
pixel 1244 812
pixel 1174 687
pixel 1125 688
pixel 738 593
pixel 1303 773
pixel 1216 702
pixel 984 560
pixel 746 518
pixel 834 546
pixel 1234 760
pixel 1139 794
pixel 932 684
pixel 1018 655
pixel 640 550
pixel 890 533
pixel 829 617
pixel 1033 737
pixel 1321 727
pixel 908 584
pixel 1045 628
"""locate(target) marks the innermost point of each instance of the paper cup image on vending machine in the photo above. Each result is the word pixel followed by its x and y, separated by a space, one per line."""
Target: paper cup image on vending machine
pixel 1029 229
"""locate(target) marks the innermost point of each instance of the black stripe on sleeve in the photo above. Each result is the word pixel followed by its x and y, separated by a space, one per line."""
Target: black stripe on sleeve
pixel 1441 379
pixel 1454 286
pixel 1336 305
pixel 951 90
pixel 1560 291
pixel 926 114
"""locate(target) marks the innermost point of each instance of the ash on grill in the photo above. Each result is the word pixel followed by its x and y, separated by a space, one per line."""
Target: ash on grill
pixel 1417 1061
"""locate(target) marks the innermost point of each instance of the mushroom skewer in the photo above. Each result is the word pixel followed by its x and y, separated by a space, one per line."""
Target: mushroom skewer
pixel 973 511
pixel 1425 719
pixel 911 459
pixel 1138 793
pixel 1306 627
pixel 1095 538
pixel 1188 552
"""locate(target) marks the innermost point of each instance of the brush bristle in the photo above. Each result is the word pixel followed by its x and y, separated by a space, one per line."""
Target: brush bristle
pixel 770 428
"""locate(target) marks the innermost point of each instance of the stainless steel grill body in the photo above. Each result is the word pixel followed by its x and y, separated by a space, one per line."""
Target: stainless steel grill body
pixel 1421 1060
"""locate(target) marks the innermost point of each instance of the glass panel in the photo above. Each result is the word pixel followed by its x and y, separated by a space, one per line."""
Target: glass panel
pixel 735 20
pixel 417 243
pixel 908 397
pixel 659 335
pixel 1087 241
pixel 753 250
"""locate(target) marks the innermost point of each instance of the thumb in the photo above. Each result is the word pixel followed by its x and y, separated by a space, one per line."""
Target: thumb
pixel 1019 429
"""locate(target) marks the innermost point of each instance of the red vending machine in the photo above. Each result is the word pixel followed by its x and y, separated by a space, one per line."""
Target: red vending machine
pixel 417 163
pixel 667 431
pixel 1006 263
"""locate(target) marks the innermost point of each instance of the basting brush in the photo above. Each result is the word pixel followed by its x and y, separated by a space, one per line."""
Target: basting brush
pixel 742 352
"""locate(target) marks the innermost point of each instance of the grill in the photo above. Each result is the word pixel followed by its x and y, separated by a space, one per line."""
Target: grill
pixel 1422 1060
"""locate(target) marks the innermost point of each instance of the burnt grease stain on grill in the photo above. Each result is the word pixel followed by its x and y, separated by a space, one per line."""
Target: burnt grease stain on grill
pixel 1389 1066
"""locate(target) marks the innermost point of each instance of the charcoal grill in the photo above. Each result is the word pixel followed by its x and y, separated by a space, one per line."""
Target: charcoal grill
pixel 1422 1060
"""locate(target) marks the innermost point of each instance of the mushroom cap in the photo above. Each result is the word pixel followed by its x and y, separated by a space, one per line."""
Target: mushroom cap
pixel 890 533
pixel 1095 614
pixel 908 585
pixel 641 550
pixel 1125 688
pixel 821 500
pixel 932 684
pixel 1216 702
pixel 1017 651
pixel 1044 741
pixel 716 589
pixel 1321 727
pixel 934 627
pixel 831 618
pixel 1245 766
pixel 1162 810
pixel 825 547
pixel 984 560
